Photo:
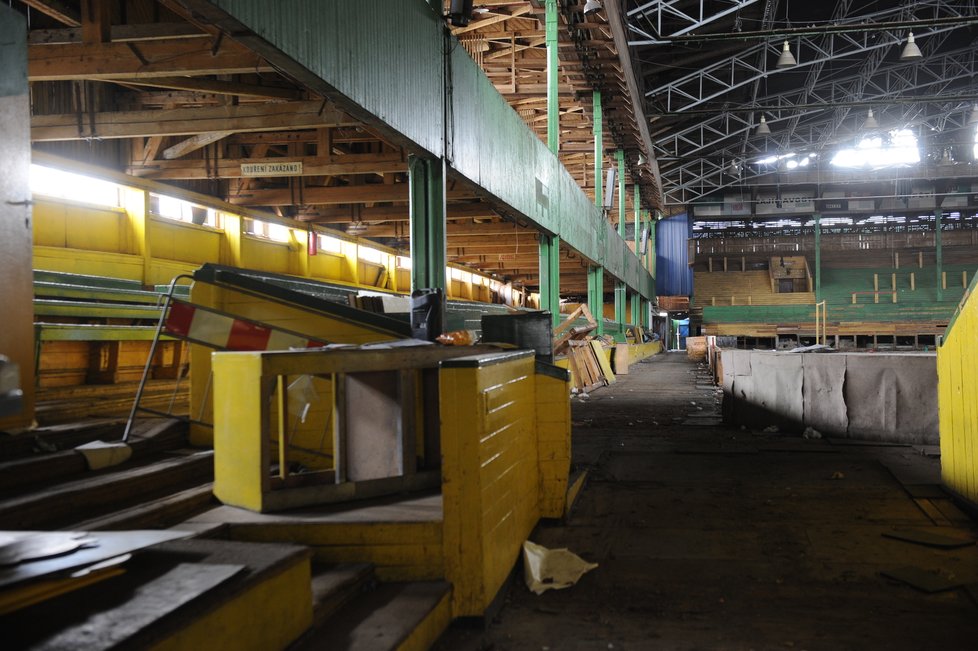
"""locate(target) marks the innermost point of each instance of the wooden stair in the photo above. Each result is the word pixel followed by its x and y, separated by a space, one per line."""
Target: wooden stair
pixel 742 288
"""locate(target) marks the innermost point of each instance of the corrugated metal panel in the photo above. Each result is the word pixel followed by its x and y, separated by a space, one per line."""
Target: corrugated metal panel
pixel 673 274
pixel 384 55
pixel 392 68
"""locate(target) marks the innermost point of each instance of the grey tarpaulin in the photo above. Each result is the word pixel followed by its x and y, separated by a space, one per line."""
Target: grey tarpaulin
pixel 892 397
pixel 869 396
pixel 825 405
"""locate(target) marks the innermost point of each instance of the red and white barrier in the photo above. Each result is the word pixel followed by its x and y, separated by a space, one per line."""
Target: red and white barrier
pixel 212 328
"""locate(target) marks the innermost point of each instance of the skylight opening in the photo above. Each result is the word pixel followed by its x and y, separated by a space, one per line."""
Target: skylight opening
pixel 51 182
pixel 874 153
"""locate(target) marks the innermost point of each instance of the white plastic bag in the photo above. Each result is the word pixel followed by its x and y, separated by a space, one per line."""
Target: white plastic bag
pixel 552 569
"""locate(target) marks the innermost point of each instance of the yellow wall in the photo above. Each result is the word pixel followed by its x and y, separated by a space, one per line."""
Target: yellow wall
pixel 491 484
pixel 129 243
pixel 553 422
pixel 957 376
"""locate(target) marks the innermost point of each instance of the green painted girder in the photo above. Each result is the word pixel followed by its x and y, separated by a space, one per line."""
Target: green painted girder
pixel 58 290
pixel 85 332
pixel 392 74
pixel 82 280
pixel 87 309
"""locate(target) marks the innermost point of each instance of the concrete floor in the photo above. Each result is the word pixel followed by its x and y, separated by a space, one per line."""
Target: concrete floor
pixel 715 538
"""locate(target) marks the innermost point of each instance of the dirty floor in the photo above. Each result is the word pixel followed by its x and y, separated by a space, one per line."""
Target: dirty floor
pixel 709 537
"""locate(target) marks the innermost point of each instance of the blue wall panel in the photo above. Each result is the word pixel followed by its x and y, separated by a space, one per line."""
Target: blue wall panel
pixel 674 277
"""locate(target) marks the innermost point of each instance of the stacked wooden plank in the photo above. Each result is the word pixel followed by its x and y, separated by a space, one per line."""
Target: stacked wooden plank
pixel 567 332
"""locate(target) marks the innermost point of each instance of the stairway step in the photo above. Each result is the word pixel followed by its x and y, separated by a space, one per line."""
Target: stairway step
pixel 395 615
pixel 149 438
pixel 65 435
pixel 334 586
pixel 155 514
pixel 93 496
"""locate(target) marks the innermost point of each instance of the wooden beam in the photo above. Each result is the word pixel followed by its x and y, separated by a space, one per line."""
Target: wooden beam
pixel 96 21
pixel 212 86
pixel 485 22
pixel 193 143
pixel 118 33
pixel 230 168
pixel 117 61
pixel 151 148
pixel 188 121
pixel 57 10
pixel 312 196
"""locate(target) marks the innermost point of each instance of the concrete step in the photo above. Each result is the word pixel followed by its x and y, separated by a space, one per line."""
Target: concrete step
pixel 333 586
pixel 394 616
pixel 23 474
pixel 188 594
pixel 105 492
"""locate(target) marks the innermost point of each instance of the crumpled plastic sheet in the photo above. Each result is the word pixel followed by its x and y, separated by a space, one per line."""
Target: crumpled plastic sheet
pixel 552 569
pixel 99 454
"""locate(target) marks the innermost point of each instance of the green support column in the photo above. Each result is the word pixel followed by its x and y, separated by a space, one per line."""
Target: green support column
pixel 620 296
pixel 553 105
pixel 550 244
pixel 550 275
pixel 595 296
pixel 620 160
pixel 636 304
pixel 638 218
pixel 938 215
pixel 818 257
pixel 620 289
pixel 598 150
pixel 650 262
pixel 427 214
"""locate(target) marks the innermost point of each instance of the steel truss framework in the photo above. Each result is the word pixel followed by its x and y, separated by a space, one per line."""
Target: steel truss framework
pixel 706 140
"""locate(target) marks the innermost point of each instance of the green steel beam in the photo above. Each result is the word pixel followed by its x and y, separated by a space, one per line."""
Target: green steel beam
pixel 598 119
pixel 88 309
pixel 650 261
pixel 620 296
pixel 550 244
pixel 550 275
pixel 426 178
pixel 85 332
pixel 620 161
pixel 938 252
pixel 58 290
pixel 408 80
pixel 595 296
pixel 818 257
pixel 553 105
pixel 638 217
pixel 636 303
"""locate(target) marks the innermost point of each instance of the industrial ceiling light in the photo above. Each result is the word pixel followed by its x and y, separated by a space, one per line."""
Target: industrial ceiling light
pixel 787 59
pixel 973 116
pixel 762 128
pixel 592 6
pixel 910 51
pixel 870 122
